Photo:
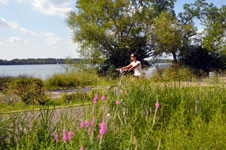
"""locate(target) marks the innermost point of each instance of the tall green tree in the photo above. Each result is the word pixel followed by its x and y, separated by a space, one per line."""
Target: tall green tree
pixel 215 30
pixel 109 30
pixel 206 49
pixel 168 35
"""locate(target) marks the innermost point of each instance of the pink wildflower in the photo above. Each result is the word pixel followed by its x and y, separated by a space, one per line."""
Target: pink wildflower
pixel 82 148
pixel 103 98
pixel 87 123
pixel 117 102
pixel 82 124
pixel 95 98
pixel 64 131
pixel 95 102
pixel 157 105
pixel 64 137
pixel 103 128
pixel 71 135
pixel 57 137
pixel 96 95
pixel 89 131
pixel 92 123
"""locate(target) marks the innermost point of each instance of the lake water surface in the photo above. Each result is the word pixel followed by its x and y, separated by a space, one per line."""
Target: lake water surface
pixel 46 71
pixel 38 71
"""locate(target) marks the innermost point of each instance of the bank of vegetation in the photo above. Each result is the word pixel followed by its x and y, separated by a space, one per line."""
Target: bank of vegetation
pixel 148 116
pixel 34 61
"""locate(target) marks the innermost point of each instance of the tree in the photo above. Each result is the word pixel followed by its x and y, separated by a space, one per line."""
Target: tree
pixel 200 58
pixel 111 30
pixel 167 34
pixel 215 30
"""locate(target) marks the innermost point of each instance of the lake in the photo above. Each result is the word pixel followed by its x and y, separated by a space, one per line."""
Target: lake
pixel 38 71
pixel 46 71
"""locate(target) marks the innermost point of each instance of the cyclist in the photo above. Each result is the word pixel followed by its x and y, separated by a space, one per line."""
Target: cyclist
pixel 134 65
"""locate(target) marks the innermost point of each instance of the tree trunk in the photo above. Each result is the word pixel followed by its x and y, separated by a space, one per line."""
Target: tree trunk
pixel 174 57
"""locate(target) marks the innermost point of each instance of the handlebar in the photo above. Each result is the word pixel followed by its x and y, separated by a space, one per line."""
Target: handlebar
pixel 121 71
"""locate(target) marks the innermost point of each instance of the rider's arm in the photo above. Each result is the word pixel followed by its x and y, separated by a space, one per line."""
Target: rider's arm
pixel 125 67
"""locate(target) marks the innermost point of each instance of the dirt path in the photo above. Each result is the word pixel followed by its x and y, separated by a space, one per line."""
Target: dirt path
pixel 58 93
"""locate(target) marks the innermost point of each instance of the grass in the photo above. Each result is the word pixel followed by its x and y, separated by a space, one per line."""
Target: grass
pixel 76 79
pixel 53 103
pixel 189 117
pixel 18 91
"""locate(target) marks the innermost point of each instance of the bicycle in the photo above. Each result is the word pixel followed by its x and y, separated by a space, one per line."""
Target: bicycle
pixel 119 87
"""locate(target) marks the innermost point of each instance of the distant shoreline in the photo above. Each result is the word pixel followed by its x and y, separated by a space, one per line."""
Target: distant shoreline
pixel 39 61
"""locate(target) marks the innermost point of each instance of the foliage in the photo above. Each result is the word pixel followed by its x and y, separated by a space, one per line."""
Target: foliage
pixel 200 58
pixel 29 90
pixel 212 18
pixel 173 73
pixel 72 79
pixel 16 128
pixel 109 31
pixel 167 34
pixel 4 81
pixel 215 30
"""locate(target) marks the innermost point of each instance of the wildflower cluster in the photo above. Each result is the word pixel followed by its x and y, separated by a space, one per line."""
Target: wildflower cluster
pixel 65 136
pixel 96 97
pixel 88 125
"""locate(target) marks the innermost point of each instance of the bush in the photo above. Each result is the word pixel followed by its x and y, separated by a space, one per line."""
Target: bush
pixel 75 97
pixel 72 79
pixel 30 90
pixel 200 58
pixel 174 73
pixel 4 81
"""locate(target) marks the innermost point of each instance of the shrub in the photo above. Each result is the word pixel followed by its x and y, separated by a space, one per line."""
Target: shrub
pixel 4 81
pixel 200 58
pixel 173 73
pixel 30 90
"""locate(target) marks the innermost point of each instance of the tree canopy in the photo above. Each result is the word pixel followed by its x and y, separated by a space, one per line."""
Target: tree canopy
pixel 110 30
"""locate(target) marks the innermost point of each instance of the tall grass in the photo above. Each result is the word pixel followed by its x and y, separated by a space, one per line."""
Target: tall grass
pixel 72 79
pixel 189 117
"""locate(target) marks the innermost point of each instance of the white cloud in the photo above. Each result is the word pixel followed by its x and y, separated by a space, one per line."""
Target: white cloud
pixel 50 38
pixel 18 40
pixel 27 31
pixel 50 7
pixel 4 1
pixel 3 23
pixel 7 24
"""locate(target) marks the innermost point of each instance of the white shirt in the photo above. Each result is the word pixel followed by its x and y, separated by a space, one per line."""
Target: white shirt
pixel 138 69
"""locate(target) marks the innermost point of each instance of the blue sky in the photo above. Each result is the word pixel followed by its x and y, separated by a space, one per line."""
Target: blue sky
pixel 37 28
